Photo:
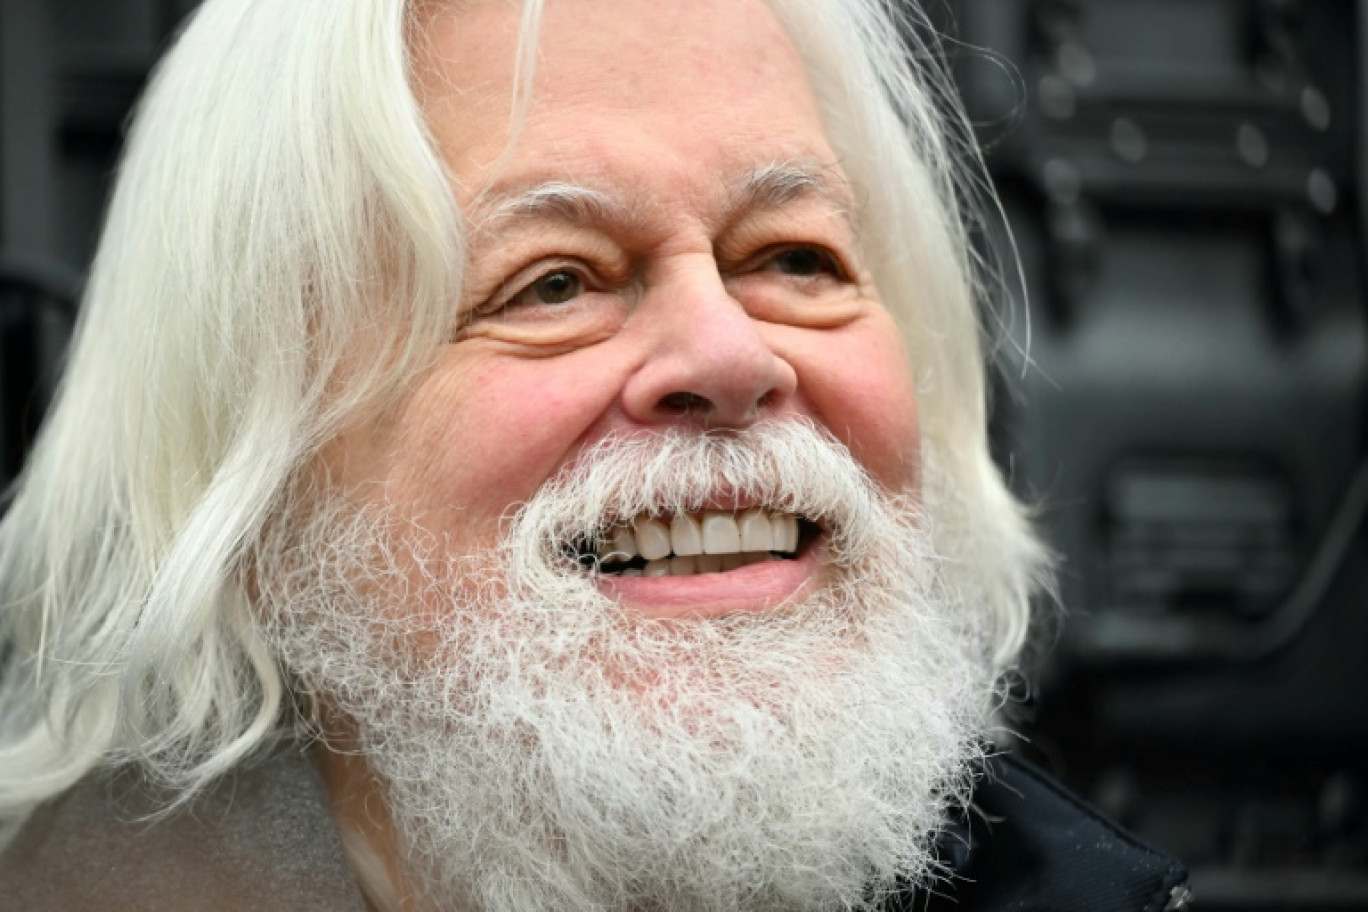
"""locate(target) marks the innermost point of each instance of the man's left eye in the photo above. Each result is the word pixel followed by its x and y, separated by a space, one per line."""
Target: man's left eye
pixel 804 262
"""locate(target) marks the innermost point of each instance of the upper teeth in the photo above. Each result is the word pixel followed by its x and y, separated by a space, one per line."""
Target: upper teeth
pixel 711 532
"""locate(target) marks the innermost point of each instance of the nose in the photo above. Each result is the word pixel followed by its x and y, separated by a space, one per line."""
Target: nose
pixel 709 362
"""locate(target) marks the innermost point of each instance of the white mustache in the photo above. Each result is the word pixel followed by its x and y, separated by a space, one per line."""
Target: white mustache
pixel 790 466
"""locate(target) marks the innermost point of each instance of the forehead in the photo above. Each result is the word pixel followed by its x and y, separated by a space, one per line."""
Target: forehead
pixel 627 92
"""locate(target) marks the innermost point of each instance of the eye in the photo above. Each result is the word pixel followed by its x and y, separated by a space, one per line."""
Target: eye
pixel 559 286
pixel 552 300
pixel 804 262
pixel 803 283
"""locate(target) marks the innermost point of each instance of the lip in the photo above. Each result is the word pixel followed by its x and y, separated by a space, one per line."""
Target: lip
pixel 728 501
pixel 752 589
pixel 723 500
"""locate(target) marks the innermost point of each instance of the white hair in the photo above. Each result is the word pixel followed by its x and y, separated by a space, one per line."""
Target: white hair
pixel 282 221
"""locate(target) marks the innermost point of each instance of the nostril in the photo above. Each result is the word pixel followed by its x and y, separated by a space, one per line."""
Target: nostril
pixel 685 402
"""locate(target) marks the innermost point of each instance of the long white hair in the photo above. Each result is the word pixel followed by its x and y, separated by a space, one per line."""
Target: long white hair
pixel 279 258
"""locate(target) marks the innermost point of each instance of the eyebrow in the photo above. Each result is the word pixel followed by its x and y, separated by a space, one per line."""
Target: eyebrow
pixel 766 188
pixel 780 183
pixel 557 200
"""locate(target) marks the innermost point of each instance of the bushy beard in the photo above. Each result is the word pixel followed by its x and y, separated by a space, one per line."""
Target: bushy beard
pixel 542 747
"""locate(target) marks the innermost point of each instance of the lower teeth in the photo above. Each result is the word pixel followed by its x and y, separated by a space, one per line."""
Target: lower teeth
pixel 688 566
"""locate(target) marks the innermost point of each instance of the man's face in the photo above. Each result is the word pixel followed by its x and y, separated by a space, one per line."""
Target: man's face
pixel 670 244
pixel 666 315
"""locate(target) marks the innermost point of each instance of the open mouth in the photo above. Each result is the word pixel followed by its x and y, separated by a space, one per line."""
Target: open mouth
pixel 687 544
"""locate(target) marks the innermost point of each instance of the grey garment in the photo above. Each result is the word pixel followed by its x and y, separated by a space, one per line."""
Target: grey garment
pixel 261 839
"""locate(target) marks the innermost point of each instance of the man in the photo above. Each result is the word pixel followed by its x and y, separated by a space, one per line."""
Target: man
pixel 572 417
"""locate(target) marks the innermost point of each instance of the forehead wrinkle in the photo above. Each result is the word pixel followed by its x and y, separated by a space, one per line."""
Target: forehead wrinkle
pixel 768 187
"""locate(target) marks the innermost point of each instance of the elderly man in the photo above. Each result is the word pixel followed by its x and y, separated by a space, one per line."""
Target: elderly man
pixel 531 457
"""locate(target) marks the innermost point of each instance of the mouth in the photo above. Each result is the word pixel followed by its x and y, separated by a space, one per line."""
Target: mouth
pixel 695 544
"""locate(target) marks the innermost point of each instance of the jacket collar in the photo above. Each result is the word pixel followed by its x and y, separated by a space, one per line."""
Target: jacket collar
pixel 264 839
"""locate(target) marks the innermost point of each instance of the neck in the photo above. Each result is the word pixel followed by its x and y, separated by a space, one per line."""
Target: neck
pixel 372 874
pixel 356 800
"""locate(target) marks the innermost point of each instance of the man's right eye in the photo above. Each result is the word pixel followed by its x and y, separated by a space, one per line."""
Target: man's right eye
pixel 557 287
pixel 551 302
pixel 539 292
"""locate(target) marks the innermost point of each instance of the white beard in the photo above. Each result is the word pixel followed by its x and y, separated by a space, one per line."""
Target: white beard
pixel 543 748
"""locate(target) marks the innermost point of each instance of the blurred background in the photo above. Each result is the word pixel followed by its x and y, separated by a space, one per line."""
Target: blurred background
pixel 1183 182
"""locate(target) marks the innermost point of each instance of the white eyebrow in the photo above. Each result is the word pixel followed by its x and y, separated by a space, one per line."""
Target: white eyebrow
pixel 555 199
pixel 772 186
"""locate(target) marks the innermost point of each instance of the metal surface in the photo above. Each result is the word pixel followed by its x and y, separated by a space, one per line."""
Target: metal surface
pixel 28 151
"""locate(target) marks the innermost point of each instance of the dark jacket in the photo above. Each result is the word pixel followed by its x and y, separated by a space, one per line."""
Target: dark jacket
pixel 1028 845
pixel 264 840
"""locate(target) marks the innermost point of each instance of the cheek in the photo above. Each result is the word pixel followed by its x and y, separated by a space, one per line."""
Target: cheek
pixel 862 389
pixel 482 434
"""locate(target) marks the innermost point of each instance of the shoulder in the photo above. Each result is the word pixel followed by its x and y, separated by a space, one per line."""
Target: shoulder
pixel 262 838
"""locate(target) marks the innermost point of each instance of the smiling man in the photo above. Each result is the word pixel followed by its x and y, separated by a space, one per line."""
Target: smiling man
pixel 531 457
